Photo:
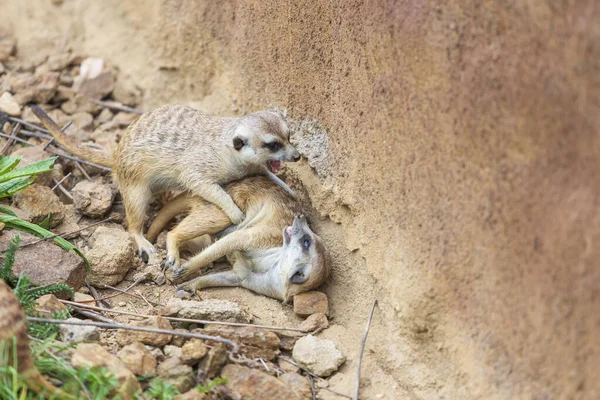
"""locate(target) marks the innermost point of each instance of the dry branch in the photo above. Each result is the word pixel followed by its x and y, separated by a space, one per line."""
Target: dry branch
pixel 362 348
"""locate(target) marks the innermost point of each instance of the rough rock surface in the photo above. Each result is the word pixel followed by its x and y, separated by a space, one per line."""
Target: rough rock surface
pixel 193 351
pixel 174 372
pixel 315 321
pixel 254 343
pixel 111 255
pixel 93 198
pixel 318 356
pixel 50 303
pixel 172 351
pixel 309 303
pixel 125 337
pixel 45 262
pixel 75 333
pixel 210 309
pixel 38 201
pixel 91 354
pixel 252 384
pixel 214 361
pixel 298 383
pixel 9 105
pixel 138 359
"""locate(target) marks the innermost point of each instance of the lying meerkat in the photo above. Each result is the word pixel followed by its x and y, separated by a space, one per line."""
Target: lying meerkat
pixel 262 260
pixel 178 147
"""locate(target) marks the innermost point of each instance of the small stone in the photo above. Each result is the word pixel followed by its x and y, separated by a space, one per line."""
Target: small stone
pixel 111 256
pixel 80 104
pixel 156 353
pixel 91 68
pixel 89 355
pixel 174 372
pixel 39 201
pixel 45 87
pixel 314 322
pixel 172 351
pixel 126 92
pixel 125 337
pixel 83 120
pixel 45 263
pixel 211 309
pixel 97 87
pixel 121 304
pixel 93 198
pixel 287 339
pixel 193 351
pixel 299 384
pixel 9 105
pixel 287 366
pixel 59 61
pixel 179 340
pixel 105 116
pixel 50 303
pixel 318 356
pixel 2 68
pixel 214 361
pixel 192 394
pixel 77 333
pixel 254 343
pixel 69 227
pixel 138 359
pixel 84 298
pixel 124 118
pixel 34 154
pixel 252 384
pixel 309 303
pixel 7 128
pixel 8 46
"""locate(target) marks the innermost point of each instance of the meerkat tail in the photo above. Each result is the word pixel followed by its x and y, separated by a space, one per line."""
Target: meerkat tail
pixel 39 384
pixel 87 153
pixel 178 205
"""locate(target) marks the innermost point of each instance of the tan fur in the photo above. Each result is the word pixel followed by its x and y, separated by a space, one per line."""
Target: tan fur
pixel 261 259
pixel 177 147
pixel 14 341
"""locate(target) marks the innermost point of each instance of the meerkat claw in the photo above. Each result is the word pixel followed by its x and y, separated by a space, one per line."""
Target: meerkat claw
pixel 143 254
pixel 172 263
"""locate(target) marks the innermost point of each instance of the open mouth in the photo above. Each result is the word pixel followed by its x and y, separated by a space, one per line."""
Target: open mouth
pixel 274 165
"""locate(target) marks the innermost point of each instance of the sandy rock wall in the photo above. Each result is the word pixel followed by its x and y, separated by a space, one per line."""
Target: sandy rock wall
pixel 452 162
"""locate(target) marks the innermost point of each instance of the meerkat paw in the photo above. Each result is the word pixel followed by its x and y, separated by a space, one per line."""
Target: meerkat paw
pixel 172 263
pixel 180 272
pixel 186 287
pixel 145 249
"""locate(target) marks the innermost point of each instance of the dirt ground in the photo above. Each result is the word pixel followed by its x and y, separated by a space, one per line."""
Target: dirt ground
pixel 451 164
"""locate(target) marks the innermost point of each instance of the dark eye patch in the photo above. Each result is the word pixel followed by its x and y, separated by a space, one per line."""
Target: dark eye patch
pixel 305 242
pixel 273 146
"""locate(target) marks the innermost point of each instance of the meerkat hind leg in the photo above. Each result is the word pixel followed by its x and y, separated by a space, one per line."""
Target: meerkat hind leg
pixel 218 279
pixel 136 200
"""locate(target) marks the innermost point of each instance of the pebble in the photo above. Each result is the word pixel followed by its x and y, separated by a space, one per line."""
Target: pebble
pixel 318 356
pixel 309 303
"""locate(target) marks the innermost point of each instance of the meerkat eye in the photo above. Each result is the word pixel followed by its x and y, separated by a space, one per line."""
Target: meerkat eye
pixel 305 242
pixel 273 146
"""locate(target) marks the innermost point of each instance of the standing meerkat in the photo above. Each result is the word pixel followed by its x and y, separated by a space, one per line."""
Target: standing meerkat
pixel 14 344
pixel 268 256
pixel 178 147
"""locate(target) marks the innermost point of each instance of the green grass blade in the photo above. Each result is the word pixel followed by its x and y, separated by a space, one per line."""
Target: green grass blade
pixel 29 170
pixel 8 163
pixel 8 211
pixel 14 185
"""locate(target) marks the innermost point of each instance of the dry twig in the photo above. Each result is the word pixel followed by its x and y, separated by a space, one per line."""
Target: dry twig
pixel 235 348
pixel 362 348
pixel 67 233
pixel 116 106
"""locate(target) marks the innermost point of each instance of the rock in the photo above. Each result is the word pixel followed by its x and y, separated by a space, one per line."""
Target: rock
pixel 91 68
pixel 254 343
pixel 31 155
pixel 45 87
pixel 287 339
pixel 63 93
pixel 84 298
pixel 309 303
pixel 97 87
pixel 93 198
pixel 214 361
pixel 39 201
pixel 287 366
pixel 172 351
pixel 125 337
pixel 314 322
pixel 156 353
pixel 211 309
pixel 111 256
pixel 50 303
pixel 82 120
pixel 59 61
pixel 69 226
pixel 174 372
pixel 8 46
pixel 105 116
pixel 2 68
pixel 45 263
pixel 88 355
pixel 124 118
pixel 299 384
pixel 138 359
pixel 75 333
pixel 253 384
pixel 126 92
pixel 80 104
pixel 192 394
pixel 9 105
pixel 179 340
pixel 318 356
pixel 193 351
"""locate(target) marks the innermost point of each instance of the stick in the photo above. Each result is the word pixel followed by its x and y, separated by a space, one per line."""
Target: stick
pixel 198 321
pixel 93 315
pixel 116 106
pixel 67 233
pixel 137 296
pixel 10 142
pixel 61 181
pixel 62 189
pixel 29 124
pixel 95 295
pixel 362 348
pixel 80 167
pixel 234 347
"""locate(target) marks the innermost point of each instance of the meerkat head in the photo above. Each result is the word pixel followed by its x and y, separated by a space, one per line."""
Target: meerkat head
pixel 263 138
pixel 305 258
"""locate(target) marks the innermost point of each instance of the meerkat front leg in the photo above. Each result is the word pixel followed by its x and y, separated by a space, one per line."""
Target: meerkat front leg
pixel 235 277
pixel 274 178
pixel 218 196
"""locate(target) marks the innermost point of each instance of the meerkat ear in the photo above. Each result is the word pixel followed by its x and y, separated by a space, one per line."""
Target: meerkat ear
pixel 238 143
